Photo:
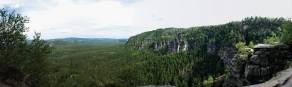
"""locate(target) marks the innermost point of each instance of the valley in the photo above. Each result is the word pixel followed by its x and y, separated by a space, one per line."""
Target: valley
pixel 249 52
pixel 93 65
pixel 191 57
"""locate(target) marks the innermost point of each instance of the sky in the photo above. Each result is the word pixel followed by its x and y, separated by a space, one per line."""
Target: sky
pixel 125 18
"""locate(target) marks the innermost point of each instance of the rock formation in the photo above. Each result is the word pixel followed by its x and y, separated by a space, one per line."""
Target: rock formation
pixel 260 66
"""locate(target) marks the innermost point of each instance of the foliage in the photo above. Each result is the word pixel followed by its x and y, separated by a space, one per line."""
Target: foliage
pixel 243 50
pixel 179 69
pixel 84 65
pixel 208 82
pixel 274 39
pixel 253 29
pixel 287 32
pixel 16 51
pixel 251 44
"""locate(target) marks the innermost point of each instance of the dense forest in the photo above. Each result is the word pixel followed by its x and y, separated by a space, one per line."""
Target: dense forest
pixel 182 57
pixel 82 65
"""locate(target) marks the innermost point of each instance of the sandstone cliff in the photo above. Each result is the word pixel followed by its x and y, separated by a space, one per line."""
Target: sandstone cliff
pixel 261 65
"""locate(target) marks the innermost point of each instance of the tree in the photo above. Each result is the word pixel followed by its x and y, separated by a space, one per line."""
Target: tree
pixel 287 32
pixel 17 52
pixel 274 39
pixel 11 37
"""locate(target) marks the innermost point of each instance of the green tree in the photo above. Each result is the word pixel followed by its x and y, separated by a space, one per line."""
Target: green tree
pixel 287 32
pixel 16 51
pixel 243 49
pixel 274 39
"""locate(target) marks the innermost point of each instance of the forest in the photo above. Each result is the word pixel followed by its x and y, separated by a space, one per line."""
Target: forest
pixel 181 57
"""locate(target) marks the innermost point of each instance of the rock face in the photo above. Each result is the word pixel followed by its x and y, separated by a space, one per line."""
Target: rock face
pixel 176 45
pixel 260 66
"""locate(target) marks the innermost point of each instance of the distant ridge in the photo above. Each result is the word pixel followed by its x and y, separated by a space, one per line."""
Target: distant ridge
pixel 77 40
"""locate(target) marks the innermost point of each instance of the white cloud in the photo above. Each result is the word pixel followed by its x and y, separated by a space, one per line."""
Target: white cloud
pixel 124 18
pixel 187 13
pixel 76 19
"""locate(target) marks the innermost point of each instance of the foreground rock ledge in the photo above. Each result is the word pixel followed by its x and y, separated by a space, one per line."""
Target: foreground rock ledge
pixel 282 79
pixel 260 66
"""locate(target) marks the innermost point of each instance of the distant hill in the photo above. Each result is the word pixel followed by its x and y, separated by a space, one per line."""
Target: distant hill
pixel 74 40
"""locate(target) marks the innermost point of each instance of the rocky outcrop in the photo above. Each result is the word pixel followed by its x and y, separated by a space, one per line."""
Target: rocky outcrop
pixel 176 45
pixel 260 66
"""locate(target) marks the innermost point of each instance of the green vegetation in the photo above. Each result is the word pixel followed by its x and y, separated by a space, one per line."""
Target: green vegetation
pixel 254 29
pixel 274 39
pixel 150 58
pixel 27 59
pixel 75 65
pixel 287 33
pixel 244 50
pixel 179 69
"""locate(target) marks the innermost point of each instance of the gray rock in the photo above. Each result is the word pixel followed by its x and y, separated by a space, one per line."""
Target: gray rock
pixel 265 61
pixel 263 46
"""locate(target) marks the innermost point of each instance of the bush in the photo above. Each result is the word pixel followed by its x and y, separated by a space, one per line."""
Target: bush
pixel 274 39
pixel 243 49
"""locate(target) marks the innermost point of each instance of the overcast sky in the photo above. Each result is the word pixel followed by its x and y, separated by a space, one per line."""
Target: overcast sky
pixel 125 18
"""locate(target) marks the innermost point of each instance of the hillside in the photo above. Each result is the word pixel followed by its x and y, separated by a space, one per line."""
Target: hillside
pixel 254 29
pixel 189 55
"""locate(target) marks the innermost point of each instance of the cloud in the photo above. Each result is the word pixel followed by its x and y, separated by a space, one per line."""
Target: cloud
pixel 187 13
pixel 79 18
pixel 125 18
